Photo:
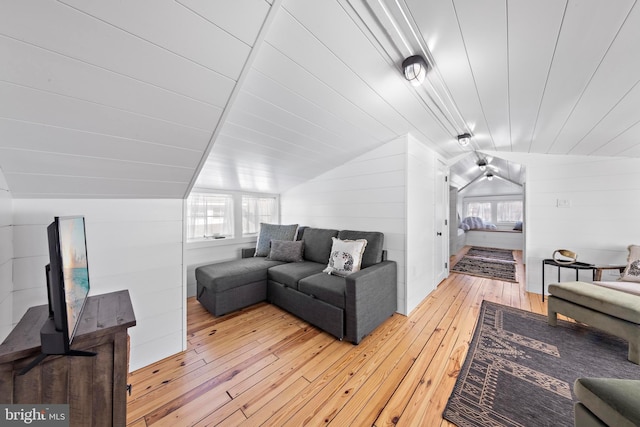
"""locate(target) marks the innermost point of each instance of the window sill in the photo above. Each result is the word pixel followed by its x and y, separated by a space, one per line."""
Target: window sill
pixel 206 243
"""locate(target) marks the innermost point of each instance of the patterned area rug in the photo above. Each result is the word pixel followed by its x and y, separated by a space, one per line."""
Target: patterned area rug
pixel 491 253
pixel 520 372
pixel 499 270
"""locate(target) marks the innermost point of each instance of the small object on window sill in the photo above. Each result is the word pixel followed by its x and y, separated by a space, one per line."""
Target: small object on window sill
pixel 215 236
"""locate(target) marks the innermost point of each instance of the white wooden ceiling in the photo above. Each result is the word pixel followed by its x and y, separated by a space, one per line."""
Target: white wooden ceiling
pixel 145 98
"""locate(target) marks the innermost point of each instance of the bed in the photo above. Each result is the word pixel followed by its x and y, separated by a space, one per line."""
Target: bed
pixel 485 234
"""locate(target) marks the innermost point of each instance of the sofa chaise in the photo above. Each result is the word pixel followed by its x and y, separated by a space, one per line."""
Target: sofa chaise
pixel 348 307
pixel 609 310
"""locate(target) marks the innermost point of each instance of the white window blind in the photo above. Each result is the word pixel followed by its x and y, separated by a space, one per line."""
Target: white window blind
pixel 509 211
pixel 480 209
pixel 209 216
pixel 256 210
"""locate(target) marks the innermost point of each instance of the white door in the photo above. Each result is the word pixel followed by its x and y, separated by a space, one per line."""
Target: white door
pixel 441 214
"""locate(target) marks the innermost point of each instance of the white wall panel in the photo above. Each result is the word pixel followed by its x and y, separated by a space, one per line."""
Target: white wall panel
pixel 17 161
pixel 280 69
pixel 175 29
pixel 6 260
pixel 339 199
pixel 260 107
pixel 17 134
pixel 157 349
pixel 612 90
pixel 615 133
pixel 265 142
pixel 295 41
pixel 6 300
pixel 258 85
pixel 529 61
pixel 347 42
pixel 420 222
pixel 24 186
pixel 577 56
pixel 37 107
pixel 65 76
pixel 131 244
pixel 62 29
pixel 242 18
pixel 598 225
pixel 485 24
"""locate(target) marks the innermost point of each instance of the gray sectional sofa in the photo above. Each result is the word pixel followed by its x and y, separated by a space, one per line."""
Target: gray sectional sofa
pixel 348 307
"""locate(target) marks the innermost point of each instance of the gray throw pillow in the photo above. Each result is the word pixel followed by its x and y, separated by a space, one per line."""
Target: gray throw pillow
pixel 269 232
pixel 284 250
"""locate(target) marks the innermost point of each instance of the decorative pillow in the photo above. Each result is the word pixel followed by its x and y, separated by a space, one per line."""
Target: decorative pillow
pixel 518 226
pixel 287 251
pixel 473 222
pixel 632 272
pixel 269 232
pixel 346 256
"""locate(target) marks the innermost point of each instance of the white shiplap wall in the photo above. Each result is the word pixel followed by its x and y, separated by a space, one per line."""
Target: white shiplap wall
pixel 6 260
pixel 366 193
pixel 604 198
pixel 131 244
pixel 420 232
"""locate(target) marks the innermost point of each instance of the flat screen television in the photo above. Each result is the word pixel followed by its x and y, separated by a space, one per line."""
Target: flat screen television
pixel 67 287
pixel 67 282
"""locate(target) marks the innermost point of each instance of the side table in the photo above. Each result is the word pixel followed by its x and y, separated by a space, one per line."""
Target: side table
pixel 596 270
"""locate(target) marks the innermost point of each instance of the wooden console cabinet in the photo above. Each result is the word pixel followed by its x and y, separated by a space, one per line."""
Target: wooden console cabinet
pixel 94 387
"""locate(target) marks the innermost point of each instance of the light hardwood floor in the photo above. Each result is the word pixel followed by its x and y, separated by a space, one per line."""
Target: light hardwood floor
pixel 263 366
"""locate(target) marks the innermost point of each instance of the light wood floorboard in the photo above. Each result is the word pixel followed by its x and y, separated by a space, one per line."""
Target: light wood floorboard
pixel 264 366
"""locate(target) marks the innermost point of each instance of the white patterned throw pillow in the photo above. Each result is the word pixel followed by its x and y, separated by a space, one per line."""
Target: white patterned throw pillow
pixel 632 272
pixel 346 256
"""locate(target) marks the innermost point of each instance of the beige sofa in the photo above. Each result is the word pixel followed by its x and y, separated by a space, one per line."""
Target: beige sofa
pixel 603 308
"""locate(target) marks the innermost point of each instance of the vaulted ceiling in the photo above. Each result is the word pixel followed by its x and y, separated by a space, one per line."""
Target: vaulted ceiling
pixel 147 98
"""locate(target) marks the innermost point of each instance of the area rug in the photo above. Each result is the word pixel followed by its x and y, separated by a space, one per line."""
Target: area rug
pixel 520 372
pixel 491 253
pixel 499 270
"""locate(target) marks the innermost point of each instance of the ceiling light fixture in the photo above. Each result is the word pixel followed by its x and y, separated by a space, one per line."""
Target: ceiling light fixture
pixel 415 69
pixel 482 164
pixel 489 176
pixel 464 139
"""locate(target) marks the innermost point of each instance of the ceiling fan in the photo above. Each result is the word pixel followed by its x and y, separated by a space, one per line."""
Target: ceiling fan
pixel 484 163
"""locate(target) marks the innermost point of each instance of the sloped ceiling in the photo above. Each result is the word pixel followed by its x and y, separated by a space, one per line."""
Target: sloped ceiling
pixel 116 99
pixel 147 98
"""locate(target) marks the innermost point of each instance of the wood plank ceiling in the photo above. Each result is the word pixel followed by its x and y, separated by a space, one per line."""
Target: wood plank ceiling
pixel 145 98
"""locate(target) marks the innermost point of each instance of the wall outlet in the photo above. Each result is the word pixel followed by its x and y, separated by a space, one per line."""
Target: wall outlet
pixel 564 203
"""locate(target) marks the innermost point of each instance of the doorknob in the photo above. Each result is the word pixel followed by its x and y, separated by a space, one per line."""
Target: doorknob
pixel 439 233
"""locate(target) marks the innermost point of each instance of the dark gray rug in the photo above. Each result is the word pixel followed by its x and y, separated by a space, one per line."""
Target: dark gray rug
pixel 491 253
pixel 500 270
pixel 520 372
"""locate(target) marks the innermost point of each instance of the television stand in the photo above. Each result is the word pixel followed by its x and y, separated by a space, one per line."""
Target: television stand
pixel 42 356
pixel 95 388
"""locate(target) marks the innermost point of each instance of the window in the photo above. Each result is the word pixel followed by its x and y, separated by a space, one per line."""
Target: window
pixel 209 216
pixel 509 211
pixel 480 209
pixel 256 210
pixel 502 211
pixel 229 215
